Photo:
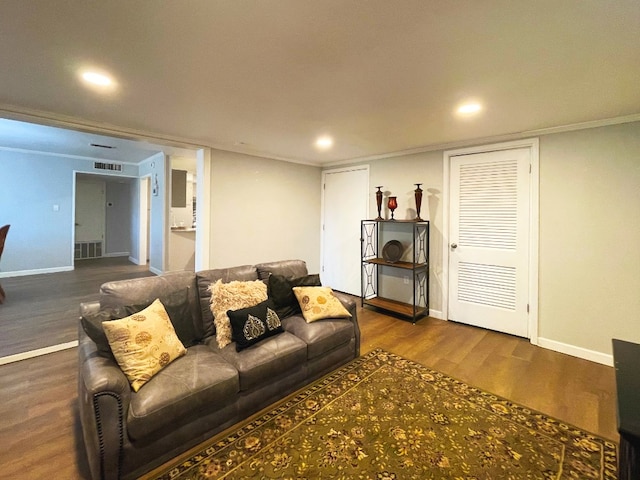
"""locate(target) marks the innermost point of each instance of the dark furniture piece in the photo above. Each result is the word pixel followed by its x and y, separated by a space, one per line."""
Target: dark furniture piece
pixel 3 236
pixel 394 250
pixel 128 433
pixel 626 359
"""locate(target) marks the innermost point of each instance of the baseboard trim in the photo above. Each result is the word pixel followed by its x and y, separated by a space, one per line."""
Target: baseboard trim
pixel 574 351
pixel 116 254
pixel 38 271
pixel 155 270
pixel 36 353
pixel 436 314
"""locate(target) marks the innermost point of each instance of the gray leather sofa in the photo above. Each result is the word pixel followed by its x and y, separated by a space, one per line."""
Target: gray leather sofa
pixel 128 433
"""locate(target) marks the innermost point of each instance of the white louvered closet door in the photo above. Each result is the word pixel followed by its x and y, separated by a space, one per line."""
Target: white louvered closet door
pixel 489 235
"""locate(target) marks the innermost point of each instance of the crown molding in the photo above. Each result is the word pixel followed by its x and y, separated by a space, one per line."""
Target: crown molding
pixel 491 139
pixel 62 121
pixel 51 119
pixel 65 155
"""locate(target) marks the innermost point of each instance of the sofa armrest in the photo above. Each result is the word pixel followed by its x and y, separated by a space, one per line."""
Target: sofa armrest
pixel 103 396
pixel 87 308
pixel 351 305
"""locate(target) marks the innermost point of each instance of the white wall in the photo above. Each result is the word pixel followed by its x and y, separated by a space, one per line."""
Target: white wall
pixel 263 210
pixel 589 283
pixel 31 184
pixel 182 251
pixel 590 237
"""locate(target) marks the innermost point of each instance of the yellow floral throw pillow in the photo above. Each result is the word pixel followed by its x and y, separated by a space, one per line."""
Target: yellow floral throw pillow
pixel 318 303
pixel 234 295
pixel 143 343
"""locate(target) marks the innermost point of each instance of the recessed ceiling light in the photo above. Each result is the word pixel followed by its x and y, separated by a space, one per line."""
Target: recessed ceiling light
pixel 98 80
pixel 469 108
pixel 324 142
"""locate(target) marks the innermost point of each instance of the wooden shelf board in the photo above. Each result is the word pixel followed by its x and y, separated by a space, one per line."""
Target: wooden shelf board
pixel 402 308
pixel 405 265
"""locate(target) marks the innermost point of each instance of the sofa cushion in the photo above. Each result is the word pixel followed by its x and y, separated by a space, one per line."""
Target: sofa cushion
pixel 233 296
pixel 143 291
pixel 321 336
pixel 317 303
pixel 286 268
pixel 267 359
pixel 177 306
pixel 205 278
pixel 201 379
pixel 250 325
pixel 143 343
pixel 92 325
pixel 280 290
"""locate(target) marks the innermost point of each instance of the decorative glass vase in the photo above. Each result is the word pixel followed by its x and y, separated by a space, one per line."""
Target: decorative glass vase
pixel 392 204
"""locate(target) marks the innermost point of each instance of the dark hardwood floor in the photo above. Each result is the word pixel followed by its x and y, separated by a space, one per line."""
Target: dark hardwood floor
pixel 42 310
pixel 40 436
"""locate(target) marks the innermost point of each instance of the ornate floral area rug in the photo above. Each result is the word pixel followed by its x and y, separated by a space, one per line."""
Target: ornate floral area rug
pixel 384 417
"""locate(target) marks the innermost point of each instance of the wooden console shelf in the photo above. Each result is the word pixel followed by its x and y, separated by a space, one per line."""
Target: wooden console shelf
pixel 407 260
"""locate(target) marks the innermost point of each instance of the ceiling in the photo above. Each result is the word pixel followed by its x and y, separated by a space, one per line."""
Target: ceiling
pixel 267 78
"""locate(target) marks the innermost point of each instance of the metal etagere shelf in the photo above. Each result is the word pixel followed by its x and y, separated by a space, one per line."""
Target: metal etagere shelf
pixel 380 279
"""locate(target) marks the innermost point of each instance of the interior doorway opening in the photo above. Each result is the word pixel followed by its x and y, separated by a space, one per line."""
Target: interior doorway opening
pixel 103 212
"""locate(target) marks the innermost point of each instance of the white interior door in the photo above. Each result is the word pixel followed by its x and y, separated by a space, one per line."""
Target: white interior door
pixel 346 203
pixel 489 240
pixel 90 211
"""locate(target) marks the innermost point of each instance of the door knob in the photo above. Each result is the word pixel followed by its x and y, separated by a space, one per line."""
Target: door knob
pixel 454 246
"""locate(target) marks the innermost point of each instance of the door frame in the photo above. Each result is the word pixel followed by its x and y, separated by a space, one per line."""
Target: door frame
pixel 144 205
pixel 75 174
pixel 534 222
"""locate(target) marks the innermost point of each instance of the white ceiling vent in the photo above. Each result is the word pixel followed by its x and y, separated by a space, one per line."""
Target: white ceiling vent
pixel 113 167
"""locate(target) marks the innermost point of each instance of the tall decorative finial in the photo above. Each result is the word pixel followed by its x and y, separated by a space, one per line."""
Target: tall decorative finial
pixel 418 195
pixel 379 201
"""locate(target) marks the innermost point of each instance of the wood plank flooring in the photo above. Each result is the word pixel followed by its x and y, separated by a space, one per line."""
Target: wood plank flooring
pixel 40 435
pixel 571 389
pixel 42 310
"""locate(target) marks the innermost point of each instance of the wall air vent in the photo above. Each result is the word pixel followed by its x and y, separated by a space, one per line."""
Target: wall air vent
pixel 114 167
pixel 84 250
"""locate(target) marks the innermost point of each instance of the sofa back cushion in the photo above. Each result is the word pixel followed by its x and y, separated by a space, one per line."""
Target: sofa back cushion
pixel 286 268
pixel 243 273
pixel 280 290
pixel 137 293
